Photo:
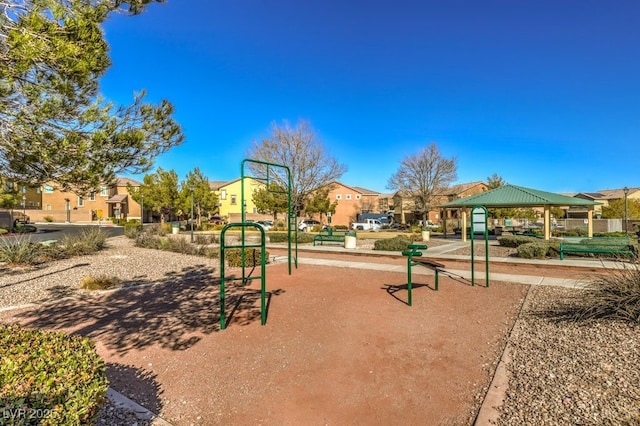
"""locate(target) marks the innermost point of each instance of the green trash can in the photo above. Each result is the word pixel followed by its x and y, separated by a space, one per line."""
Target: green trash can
pixel 175 228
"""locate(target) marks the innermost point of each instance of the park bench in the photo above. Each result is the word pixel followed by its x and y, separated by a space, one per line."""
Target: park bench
pixel 329 235
pixel 414 257
pixel 599 245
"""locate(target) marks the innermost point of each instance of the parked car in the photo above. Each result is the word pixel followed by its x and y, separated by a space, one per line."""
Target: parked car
pixel 306 224
pixel 216 220
pixel 429 225
pixel 265 224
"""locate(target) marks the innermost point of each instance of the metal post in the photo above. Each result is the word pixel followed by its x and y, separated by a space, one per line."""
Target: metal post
pixel 626 210
pixel 24 205
pixel 191 189
pixel 142 209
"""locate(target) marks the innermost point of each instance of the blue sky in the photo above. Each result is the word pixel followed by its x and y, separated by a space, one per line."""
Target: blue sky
pixel 545 93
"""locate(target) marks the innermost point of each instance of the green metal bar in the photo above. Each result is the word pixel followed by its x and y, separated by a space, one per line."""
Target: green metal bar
pixel 289 206
pixel 262 277
pixel 409 284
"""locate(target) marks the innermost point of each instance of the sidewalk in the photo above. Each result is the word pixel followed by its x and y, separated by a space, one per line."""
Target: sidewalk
pixel 440 252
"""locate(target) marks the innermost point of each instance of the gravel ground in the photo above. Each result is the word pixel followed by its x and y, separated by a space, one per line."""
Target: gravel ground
pixel 565 373
pixel 561 373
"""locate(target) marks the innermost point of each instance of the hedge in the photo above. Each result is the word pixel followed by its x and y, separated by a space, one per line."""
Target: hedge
pixel 49 378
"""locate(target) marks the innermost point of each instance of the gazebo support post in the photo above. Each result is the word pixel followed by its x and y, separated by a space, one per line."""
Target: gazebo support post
pixel 547 222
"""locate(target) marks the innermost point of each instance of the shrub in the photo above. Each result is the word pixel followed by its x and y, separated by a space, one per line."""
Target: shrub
pixel 397 243
pixel 516 240
pixel 613 296
pixel 48 219
pixel 89 241
pixel 19 251
pixel 252 257
pixel 102 282
pixel 534 250
pixel 3 231
pixel 132 229
pixel 56 378
pixel 157 229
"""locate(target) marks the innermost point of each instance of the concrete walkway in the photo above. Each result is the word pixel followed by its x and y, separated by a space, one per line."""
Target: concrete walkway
pixel 442 252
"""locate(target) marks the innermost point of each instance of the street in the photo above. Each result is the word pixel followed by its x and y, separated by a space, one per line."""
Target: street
pixel 57 231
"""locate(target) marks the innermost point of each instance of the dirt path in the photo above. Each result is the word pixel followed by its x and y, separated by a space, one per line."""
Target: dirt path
pixel 340 347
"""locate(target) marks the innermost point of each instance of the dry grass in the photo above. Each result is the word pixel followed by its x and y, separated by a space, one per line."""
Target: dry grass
pixel 101 282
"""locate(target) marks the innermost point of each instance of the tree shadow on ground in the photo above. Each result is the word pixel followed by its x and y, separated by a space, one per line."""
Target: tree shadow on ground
pixel 174 312
pixel 136 384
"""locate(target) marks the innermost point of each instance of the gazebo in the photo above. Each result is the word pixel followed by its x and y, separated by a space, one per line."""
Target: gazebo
pixel 512 196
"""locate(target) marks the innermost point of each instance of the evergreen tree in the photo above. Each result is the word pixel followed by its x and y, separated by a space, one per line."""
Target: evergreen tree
pixel 54 124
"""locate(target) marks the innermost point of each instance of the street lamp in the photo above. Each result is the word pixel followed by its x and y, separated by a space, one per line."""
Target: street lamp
pixel 626 210
pixel 191 189
pixel 24 206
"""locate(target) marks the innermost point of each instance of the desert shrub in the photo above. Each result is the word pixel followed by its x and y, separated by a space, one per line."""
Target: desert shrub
pixel 613 296
pixel 534 250
pixel 3 231
pixel 181 245
pixel 57 379
pixel 19 251
pixel 397 243
pixel 515 240
pixel 252 257
pixel 24 229
pixel 101 282
pixel 157 229
pixel 132 229
pixel 146 240
pixel 282 237
pixel 91 240
pixel 48 219
pixel 341 228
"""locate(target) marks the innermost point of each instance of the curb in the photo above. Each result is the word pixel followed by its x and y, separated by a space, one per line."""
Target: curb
pixel 138 410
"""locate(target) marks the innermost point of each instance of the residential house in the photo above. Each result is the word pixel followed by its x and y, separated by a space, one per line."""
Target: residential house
pixel 109 202
pixel 604 196
pixel 229 203
pixel 404 205
pixel 351 200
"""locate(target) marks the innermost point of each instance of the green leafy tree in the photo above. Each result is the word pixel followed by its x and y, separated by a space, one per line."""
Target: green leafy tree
pixel 160 192
pixel 423 176
pixel 54 124
pixel 321 203
pixel 300 149
pixel 205 201
pixel 615 209
pixel 557 212
pixel 271 201
pixel 8 195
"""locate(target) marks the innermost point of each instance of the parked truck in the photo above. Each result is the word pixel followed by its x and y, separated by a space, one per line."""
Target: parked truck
pixel 367 225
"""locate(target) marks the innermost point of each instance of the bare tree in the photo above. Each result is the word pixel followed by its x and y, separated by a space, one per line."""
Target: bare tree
pixel 423 177
pixel 299 149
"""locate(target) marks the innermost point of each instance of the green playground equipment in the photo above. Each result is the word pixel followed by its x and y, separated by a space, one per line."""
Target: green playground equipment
pixel 292 230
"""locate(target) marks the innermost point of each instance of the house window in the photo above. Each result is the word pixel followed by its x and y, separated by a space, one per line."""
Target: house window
pixel 48 189
pixel 80 202
pixel 357 196
pixel 37 190
pixel 92 197
pixel 103 191
pixel 47 207
pixel 223 194
pixel 338 197
pixel 348 196
pixel 233 200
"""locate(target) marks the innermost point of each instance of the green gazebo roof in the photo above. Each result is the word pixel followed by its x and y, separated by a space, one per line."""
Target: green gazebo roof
pixel 518 196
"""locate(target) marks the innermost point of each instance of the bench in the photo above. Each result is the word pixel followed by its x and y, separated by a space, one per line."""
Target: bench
pixel 599 245
pixel 329 235
pixel 414 257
